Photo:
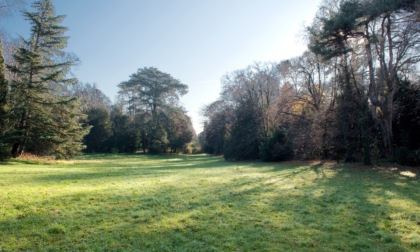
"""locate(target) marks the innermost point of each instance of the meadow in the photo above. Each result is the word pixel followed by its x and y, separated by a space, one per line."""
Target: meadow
pixel 203 203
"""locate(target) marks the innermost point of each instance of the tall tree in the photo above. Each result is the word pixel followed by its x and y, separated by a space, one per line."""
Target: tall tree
pixel 250 95
pixel 151 94
pixel 46 121
pixel 386 35
pixel 4 106
pixel 6 8
pixel 216 127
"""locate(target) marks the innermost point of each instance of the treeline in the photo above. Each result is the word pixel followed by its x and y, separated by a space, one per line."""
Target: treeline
pixel 45 111
pixel 147 116
pixel 353 96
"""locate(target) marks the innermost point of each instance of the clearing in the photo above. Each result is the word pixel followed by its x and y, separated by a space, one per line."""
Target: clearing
pixel 202 203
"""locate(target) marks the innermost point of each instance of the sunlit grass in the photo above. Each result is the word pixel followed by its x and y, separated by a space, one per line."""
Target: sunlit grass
pixel 201 203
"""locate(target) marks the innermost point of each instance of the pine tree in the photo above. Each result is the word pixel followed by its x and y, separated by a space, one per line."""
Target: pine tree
pixel 46 121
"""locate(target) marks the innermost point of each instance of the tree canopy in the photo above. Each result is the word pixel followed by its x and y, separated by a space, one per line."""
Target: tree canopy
pixel 152 97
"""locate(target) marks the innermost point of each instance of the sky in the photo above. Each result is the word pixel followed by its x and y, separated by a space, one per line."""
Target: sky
pixel 195 41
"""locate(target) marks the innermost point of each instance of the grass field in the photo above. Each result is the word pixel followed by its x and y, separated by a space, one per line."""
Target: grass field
pixel 202 203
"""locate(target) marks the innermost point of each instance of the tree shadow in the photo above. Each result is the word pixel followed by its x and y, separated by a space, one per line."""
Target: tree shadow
pixel 226 207
pixel 350 205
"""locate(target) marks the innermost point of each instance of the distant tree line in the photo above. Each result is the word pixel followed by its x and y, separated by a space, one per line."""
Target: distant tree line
pixel 45 111
pixel 147 116
pixel 353 96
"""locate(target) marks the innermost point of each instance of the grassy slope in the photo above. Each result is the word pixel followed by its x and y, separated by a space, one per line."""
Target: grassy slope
pixel 200 203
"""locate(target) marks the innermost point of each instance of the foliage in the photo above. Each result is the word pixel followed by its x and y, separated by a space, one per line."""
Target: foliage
pixel 406 156
pixel 90 97
pixel 243 116
pixel 407 118
pixel 46 120
pixel 4 108
pixel 216 128
pixel 407 125
pixel 276 147
pixel 179 128
pixel 339 100
pixel 98 137
pixel 243 141
pixel 384 36
pixel 126 134
pixel 4 93
pixel 151 97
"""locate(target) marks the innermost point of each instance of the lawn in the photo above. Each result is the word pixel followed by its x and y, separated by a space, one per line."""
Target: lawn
pixel 202 203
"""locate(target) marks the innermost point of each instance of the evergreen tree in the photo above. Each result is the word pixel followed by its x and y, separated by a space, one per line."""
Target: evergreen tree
pixel 99 136
pixel 276 147
pixel 46 121
pixel 244 140
pixel 121 138
pixel 4 107
pixel 152 94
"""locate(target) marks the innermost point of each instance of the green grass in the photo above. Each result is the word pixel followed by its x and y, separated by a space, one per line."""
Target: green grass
pixel 201 203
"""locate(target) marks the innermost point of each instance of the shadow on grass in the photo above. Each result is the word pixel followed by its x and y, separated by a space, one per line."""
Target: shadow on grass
pixel 250 206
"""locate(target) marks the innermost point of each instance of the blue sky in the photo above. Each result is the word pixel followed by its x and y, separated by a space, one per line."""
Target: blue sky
pixel 196 41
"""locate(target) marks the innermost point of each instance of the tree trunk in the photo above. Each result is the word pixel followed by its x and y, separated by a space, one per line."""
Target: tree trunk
pixel 15 150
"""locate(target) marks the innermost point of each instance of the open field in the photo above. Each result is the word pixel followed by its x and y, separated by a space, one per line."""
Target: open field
pixel 202 203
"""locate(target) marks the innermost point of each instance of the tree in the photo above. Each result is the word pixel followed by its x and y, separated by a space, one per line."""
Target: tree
pixel 245 115
pixel 179 128
pixel 4 107
pixel 277 147
pixel 126 132
pixel 385 35
pixel 407 124
pixel 6 7
pixel 244 139
pixel 306 103
pixel 46 120
pixel 97 106
pixel 216 127
pixel 151 94
pixel 98 138
pixel 90 97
